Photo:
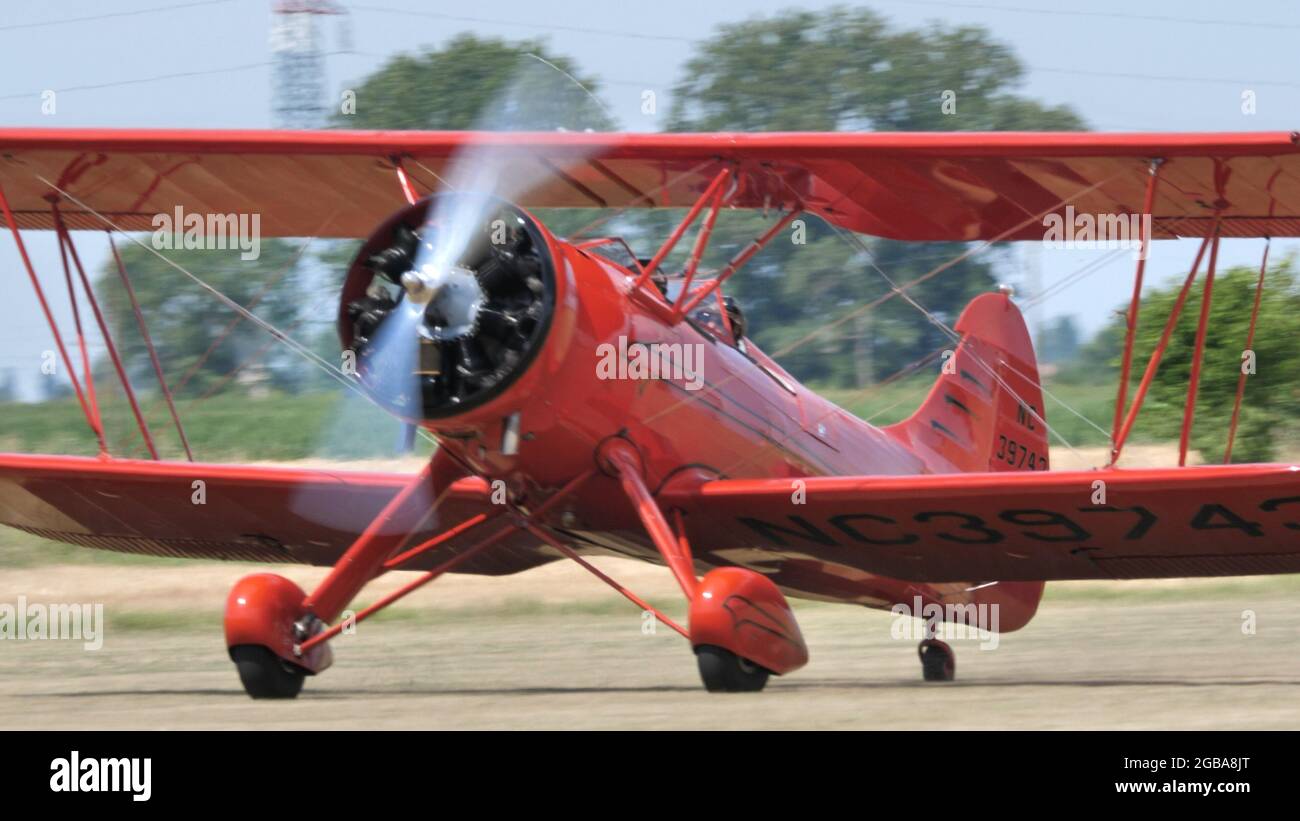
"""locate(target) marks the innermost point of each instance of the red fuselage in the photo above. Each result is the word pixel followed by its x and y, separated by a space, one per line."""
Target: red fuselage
pixel 747 419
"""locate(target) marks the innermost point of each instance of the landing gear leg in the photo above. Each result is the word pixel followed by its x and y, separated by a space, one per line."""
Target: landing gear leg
pixel 271 624
pixel 277 634
pixel 741 626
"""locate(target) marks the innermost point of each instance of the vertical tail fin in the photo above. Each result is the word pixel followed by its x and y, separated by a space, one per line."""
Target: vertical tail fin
pixel 985 413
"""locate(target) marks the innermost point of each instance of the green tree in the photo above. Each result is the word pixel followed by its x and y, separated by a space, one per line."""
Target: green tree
pixel 479 83
pixel 1271 400
pixel 847 69
pixel 185 320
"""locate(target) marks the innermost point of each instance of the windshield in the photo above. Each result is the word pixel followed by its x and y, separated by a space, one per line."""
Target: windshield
pixel 614 249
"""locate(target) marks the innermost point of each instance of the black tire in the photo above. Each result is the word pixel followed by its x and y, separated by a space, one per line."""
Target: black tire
pixel 937 661
pixel 725 672
pixel 266 675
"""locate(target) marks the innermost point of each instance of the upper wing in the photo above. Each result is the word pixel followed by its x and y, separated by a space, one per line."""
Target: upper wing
pixel 937 186
pixel 247 513
pixel 1015 526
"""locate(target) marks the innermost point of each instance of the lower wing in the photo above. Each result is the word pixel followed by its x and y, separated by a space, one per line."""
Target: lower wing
pixel 234 512
pixel 1016 526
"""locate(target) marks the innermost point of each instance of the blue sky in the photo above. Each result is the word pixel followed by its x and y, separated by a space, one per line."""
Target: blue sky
pixel 1166 66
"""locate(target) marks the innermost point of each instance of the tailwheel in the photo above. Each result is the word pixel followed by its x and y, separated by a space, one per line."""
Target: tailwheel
pixel 937 661
pixel 266 675
pixel 725 672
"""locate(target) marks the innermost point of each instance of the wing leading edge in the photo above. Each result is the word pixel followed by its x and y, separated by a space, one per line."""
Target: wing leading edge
pixel 909 186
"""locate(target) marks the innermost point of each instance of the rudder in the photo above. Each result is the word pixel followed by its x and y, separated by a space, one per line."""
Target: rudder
pixel 985 412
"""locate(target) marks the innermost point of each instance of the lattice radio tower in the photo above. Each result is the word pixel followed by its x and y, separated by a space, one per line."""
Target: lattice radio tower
pixel 298 93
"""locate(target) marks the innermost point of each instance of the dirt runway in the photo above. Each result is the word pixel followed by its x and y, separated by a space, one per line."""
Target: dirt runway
pixel 552 649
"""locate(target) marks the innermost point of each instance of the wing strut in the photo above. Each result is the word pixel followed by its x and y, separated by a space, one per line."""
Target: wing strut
pixel 709 196
pixel 84 388
pixel 685 306
pixel 1153 363
pixel 1250 344
pixel 622 460
pixel 87 374
pixel 404 180
pixel 550 539
pixel 715 197
pixel 368 554
pixel 148 344
pixel 67 248
pixel 1131 318
pixel 1198 354
pixel 92 419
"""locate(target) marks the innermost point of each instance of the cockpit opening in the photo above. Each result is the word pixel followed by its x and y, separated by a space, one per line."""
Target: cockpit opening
pixel 721 318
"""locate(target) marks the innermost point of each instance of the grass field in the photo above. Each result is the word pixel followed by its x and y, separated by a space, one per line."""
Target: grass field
pixel 342 426
pixel 277 427
pixel 1070 409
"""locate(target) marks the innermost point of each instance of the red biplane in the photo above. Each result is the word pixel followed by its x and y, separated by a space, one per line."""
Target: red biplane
pixel 468 318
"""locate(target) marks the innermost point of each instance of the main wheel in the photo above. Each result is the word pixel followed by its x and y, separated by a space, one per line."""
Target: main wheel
pixel 725 672
pixel 937 661
pixel 266 675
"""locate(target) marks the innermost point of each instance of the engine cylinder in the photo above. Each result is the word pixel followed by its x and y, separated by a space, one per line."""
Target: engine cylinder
pixel 447 303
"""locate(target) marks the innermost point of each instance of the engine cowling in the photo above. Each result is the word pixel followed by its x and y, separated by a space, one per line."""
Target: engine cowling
pixel 472 279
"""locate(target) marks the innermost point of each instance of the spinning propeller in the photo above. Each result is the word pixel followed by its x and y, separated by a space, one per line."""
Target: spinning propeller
pixel 447 314
pixel 451 297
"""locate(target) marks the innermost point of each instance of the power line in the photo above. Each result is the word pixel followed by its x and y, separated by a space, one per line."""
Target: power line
pixel 548 26
pixel 232 69
pixel 1150 18
pixel 140 80
pixel 162 77
pixel 1161 77
pixel 1118 15
pixel 112 14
